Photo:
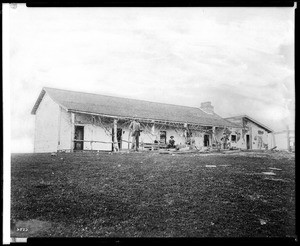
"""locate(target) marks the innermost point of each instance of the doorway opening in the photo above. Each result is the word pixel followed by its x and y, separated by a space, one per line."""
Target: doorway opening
pixel 163 137
pixel 206 140
pixel 248 141
pixel 79 135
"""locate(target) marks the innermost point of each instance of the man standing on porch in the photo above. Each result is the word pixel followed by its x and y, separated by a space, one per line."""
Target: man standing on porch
pixel 134 129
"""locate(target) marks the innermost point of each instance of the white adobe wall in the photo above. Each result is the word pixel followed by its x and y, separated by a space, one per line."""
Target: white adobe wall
pixel 256 135
pixel 125 133
pixel 46 126
pixel 65 130
pixel 149 137
pixel 199 138
pixel 145 137
pixel 93 131
pixel 178 136
pixel 239 143
pixel 271 143
pixel 219 134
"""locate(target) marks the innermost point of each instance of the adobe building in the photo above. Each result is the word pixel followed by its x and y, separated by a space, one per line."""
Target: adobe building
pixel 73 121
pixel 254 134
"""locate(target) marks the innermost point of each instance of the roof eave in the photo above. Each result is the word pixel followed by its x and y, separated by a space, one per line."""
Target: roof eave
pixel 269 130
pixel 258 123
pixel 38 101
pixel 147 119
pixel 40 98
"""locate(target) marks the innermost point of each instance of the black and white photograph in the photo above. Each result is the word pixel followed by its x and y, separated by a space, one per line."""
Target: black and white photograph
pixel 149 122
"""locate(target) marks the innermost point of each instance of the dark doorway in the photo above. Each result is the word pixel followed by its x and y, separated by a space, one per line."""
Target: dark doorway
pixel 119 138
pixel 79 135
pixel 206 140
pixel 163 137
pixel 248 142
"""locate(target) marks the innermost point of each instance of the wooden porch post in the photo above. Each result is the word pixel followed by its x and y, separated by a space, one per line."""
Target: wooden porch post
pixel 250 131
pixel 185 131
pixel 274 141
pixel 72 130
pixel 153 133
pixel 214 135
pixel 92 138
pixel 59 126
pixel 116 146
pixel 153 129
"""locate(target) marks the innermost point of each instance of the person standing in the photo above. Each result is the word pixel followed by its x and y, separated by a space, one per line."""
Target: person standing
pixel 135 129
pixel 171 142
pixel 224 140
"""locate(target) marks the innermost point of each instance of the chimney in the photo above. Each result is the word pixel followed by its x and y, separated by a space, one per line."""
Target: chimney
pixel 207 107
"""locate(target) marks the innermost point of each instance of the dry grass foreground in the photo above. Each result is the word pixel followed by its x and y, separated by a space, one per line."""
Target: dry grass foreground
pixel 153 195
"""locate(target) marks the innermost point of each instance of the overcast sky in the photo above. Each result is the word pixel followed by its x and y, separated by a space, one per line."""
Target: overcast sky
pixel 240 59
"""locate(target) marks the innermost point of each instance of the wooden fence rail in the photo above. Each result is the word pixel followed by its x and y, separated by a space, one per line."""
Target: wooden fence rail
pixel 142 144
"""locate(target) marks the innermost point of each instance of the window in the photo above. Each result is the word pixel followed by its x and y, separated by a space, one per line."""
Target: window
pixel 233 138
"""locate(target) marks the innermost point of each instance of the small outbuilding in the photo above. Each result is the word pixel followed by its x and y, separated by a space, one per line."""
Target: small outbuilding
pixel 254 135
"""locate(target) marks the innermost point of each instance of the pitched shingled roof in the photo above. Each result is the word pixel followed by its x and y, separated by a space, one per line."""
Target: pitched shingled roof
pixel 239 117
pixel 124 107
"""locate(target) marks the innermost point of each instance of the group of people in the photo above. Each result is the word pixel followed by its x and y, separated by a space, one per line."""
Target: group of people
pixel 135 131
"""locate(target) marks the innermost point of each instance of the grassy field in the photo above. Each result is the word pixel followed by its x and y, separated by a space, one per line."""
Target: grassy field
pixel 153 195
